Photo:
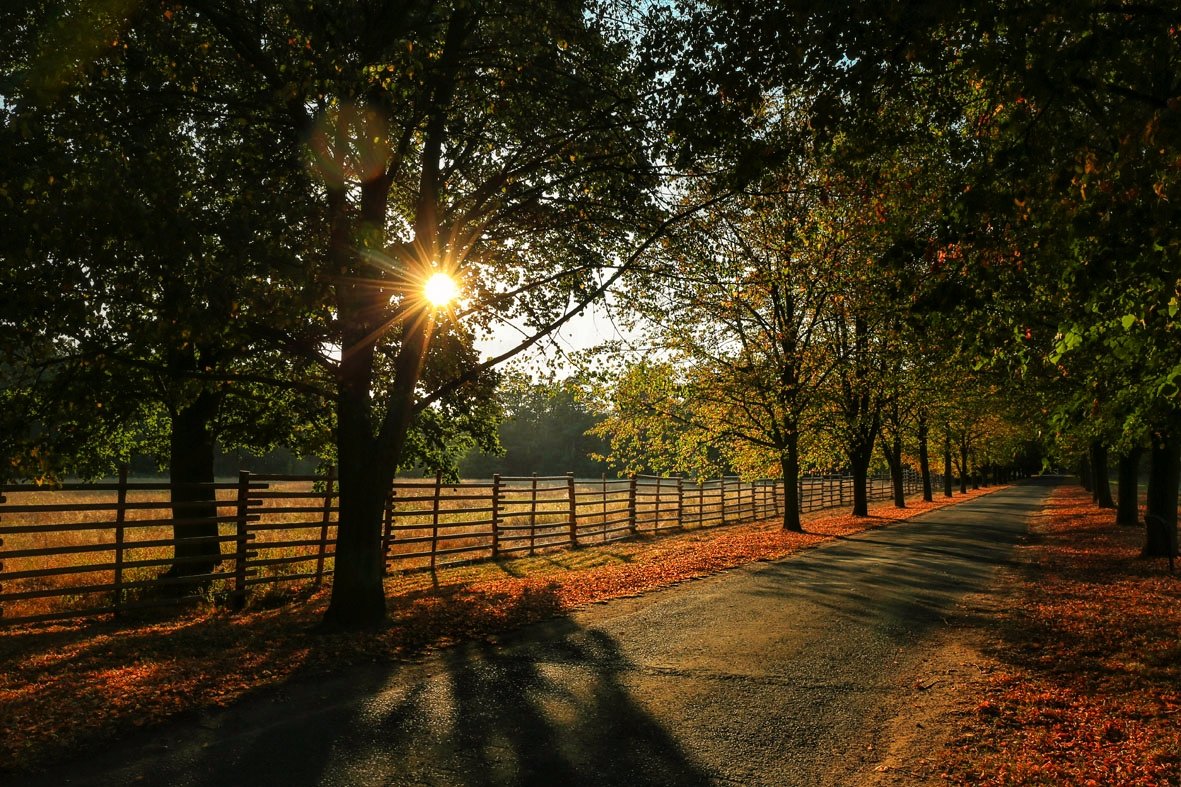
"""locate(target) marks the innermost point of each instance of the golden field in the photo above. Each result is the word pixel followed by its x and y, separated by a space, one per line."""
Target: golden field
pixel 61 555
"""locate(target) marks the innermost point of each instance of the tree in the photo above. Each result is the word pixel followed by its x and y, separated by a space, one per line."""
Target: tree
pixel 151 237
pixel 865 336
pixel 544 431
pixel 498 142
pixel 736 303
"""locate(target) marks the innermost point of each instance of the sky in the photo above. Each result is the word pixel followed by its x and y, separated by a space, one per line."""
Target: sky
pixel 556 353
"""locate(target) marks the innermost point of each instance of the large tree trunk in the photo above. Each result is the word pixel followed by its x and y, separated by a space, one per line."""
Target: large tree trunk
pixel 1127 510
pixel 369 449
pixel 193 498
pixel 1084 474
pixel 948 478
pixel 358 594
pixel 924 459
pixel 789 462
pixel 1102 483
pixel 1161 517
pixel 859 465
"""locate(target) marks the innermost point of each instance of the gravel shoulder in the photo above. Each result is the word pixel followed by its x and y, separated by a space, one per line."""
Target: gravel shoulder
pixel 931 701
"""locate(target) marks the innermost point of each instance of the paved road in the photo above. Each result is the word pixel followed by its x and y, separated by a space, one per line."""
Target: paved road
pixel 776 674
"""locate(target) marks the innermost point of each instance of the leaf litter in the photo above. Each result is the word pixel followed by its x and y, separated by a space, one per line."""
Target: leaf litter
pixel 1088 691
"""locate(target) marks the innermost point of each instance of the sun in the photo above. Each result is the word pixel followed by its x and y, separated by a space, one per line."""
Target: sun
pixel 440 289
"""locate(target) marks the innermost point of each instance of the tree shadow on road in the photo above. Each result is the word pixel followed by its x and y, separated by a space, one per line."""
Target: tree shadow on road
pixel 901 581
pixel 549 707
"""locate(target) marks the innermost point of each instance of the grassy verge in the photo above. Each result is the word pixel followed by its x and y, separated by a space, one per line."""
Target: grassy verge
pixel 1088 689
pixel 67 689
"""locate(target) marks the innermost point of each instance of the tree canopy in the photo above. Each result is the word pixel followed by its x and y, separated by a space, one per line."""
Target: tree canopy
pixel 218 220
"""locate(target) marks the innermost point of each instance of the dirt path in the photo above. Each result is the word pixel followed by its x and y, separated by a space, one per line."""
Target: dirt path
pixel 814 670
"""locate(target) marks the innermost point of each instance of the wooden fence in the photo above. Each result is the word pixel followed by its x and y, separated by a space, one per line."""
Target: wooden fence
pixel 93 549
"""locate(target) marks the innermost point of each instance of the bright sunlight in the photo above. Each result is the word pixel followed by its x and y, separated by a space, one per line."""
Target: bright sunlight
pixel 440 289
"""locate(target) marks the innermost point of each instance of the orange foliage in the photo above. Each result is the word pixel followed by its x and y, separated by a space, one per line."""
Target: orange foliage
pixel 1091 690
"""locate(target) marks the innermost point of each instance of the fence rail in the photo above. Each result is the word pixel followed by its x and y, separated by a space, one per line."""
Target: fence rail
pixel 97 549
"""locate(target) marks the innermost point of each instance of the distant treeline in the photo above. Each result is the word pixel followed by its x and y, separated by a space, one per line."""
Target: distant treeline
pixel 279 461
pixel 544 432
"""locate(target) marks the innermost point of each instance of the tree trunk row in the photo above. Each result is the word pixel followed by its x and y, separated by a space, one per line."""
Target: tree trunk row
pixel 1164 476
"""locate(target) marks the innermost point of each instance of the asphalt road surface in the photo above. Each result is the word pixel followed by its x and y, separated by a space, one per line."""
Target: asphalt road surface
pixel 779 673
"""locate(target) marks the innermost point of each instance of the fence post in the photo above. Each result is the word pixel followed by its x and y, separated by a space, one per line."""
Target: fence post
pixel 387 531
pixel 533 515
pixel 573 509
pixel 700 501
pixel 495 516
pixel 120 535
pixel 661 509
pixel 658 506
pixel 435 518
pixel 239 599
pixel 722 485
pixel 680 503
pixel 631 505
pixel 325 518
pixel 604 526
pixel 3 500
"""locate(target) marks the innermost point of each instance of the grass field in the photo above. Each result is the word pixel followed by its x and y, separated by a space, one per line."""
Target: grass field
pixel 62 550
pixel 79 544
